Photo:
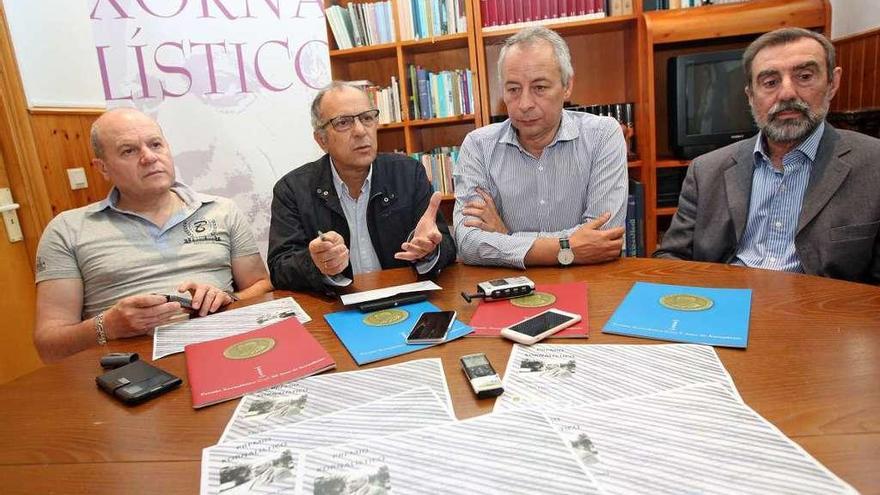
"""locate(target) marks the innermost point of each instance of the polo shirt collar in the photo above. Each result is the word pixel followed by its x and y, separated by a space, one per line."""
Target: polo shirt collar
pixel 192 199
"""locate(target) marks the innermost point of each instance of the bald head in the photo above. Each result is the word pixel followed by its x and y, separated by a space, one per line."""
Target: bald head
pixel 112 119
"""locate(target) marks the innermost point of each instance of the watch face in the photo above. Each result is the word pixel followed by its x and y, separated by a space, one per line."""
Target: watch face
pixel 565 257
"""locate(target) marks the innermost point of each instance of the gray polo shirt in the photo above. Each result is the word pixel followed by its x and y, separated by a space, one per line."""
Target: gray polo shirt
pixel 118 253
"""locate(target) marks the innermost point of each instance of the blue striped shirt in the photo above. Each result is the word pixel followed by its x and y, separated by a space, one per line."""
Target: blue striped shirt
pixel 579 175
pixel 775 205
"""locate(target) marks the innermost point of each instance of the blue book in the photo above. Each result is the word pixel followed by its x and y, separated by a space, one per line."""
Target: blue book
pixel 424 94
pixel 681 313
pixel 367 343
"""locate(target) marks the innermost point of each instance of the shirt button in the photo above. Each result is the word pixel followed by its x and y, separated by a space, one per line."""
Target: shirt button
pixel 542 201
pixel 540 169
pixel 772 260
pixel 778 225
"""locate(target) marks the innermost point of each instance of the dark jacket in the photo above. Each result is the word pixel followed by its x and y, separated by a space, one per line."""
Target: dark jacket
pixel 305 202
pixel 838 232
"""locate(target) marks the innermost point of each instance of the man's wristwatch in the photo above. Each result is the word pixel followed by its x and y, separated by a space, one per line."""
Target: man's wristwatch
pixel 566 255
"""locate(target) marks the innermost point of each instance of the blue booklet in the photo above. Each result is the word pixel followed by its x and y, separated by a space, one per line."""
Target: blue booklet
pixel 382 334
pixel 681 313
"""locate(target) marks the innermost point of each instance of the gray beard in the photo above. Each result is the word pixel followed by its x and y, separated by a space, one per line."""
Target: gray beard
pixel 791 130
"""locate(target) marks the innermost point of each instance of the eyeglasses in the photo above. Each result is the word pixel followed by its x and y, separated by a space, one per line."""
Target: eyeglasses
pixel 370 118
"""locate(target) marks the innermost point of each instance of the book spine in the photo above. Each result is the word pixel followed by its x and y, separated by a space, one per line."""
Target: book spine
pixel 424 94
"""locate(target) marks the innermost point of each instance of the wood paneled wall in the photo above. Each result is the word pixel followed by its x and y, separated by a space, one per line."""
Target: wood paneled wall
pixel 62 137
pixel 859 57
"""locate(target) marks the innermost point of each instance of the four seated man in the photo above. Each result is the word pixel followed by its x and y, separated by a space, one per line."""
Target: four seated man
pixel 545 187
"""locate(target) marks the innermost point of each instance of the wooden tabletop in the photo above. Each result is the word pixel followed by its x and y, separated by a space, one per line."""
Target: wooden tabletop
pixel 812 368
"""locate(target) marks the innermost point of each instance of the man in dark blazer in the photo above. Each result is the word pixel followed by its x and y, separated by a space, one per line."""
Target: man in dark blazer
pixel 800 196
pixel 353 210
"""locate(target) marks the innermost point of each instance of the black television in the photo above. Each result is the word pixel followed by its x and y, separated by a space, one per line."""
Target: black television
pixel 708 107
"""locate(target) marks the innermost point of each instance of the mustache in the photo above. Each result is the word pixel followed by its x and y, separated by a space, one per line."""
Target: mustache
pixel 788 105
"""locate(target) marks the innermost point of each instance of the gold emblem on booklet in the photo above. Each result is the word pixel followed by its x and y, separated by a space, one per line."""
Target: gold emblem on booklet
pixel 686 302
pixel 534 300
pixel 249 348
pixel 385 317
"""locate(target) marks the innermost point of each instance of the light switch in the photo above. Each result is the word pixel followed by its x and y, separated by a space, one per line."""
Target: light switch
pixel 77 178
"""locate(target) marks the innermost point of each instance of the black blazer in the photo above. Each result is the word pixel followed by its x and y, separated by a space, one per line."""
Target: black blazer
pixel 305 201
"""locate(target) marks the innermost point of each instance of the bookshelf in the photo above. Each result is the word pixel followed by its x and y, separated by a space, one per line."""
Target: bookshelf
pixel 378 63
pixel 620 58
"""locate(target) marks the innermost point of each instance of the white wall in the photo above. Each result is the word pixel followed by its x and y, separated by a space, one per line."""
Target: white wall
pixel 853 16
pixel 56 52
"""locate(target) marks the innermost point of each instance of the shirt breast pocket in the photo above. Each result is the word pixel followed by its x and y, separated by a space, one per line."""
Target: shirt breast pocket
pixel 854 232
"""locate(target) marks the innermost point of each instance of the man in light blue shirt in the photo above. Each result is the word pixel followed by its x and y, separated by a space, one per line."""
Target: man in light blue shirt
pixel 546 186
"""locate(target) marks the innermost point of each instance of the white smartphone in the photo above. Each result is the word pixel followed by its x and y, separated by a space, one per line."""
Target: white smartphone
pixel 431 328
pixel 540 326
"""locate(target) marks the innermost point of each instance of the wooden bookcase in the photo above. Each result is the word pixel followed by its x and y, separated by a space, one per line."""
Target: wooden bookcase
pixel 379 62
pixel 616 59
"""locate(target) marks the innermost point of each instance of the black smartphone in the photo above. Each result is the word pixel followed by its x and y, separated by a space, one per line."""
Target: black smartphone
pixel 137 382
pixel 431 328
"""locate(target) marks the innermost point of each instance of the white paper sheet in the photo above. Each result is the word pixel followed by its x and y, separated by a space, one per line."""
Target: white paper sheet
pixel 247 465
pixel 695 439
pixel 323 394
pixel 555 376
pixel 372 295
pixel 171 339
pixel 513 452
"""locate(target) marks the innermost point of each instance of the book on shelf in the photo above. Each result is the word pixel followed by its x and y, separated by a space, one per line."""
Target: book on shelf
pixel 439 163
pixel 650 5
pixel 635 220
pixel 386 99
pixel 230 367
pixel 361 24
pixel 507 14
pixel 440 94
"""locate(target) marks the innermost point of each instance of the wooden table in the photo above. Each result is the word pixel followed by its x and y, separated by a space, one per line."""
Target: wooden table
pixel 812 368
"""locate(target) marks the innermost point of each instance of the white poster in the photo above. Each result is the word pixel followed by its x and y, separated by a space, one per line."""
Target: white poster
pixel 230 82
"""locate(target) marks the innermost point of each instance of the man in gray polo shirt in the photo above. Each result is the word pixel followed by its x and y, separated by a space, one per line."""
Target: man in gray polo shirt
pixel 100 267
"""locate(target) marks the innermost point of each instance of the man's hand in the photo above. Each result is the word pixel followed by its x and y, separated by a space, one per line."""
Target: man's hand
pixel 206 298
pixel 591 245
pixel 483 214
pixel 426 236
pixel 137 315
pixel 329 253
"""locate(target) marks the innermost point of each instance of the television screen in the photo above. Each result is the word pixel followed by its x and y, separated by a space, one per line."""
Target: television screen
pixel 707 102
pixel 716 103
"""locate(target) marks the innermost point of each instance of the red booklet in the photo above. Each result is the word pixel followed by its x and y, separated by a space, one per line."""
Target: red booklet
pixel 230 367
pixel 491 317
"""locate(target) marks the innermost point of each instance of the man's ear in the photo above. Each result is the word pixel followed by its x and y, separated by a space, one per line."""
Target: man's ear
pixel 835 82
pixel 101 166
pixel 749 95
pixel 321 139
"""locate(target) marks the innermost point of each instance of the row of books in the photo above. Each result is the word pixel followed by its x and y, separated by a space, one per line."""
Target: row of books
pixel 438 164
pixel 440 94
pixel 421 19
pixel 386 99
pixel 635 220
pixel 514 13
pixel 361 24
pixel 683 4
pixel 623 112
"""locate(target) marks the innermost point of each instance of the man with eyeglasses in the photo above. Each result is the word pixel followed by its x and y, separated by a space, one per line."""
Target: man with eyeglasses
pixel 353 210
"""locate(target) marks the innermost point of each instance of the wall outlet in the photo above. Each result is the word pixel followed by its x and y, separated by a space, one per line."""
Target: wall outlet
pixel 77 177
